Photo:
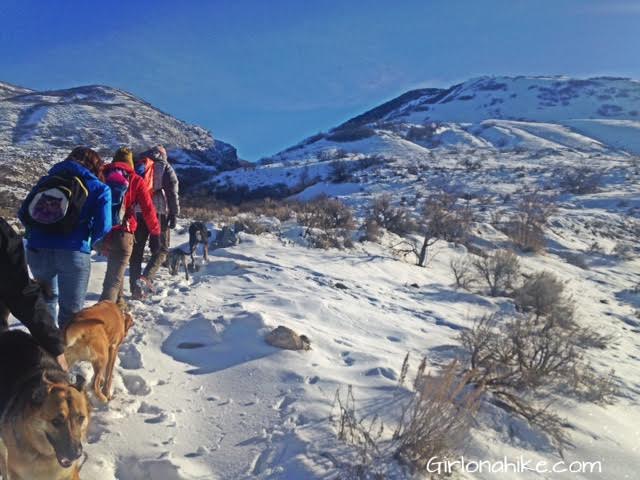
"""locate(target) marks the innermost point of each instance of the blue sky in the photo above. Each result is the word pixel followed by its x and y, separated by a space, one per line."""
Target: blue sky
pixel 263 74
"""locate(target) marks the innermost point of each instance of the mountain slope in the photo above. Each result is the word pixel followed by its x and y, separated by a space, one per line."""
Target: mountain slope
pixel 42 127
pixel 9 90
pixel 539 120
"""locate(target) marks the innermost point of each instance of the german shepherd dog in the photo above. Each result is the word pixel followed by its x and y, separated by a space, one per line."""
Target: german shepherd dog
pixel 44 416
pixel 175 259
pixel 198 234
pixel 95 335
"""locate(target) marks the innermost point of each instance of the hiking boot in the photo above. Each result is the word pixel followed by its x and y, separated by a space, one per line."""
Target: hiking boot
pixel 137 294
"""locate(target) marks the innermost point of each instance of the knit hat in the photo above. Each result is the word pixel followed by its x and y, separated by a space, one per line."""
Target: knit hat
pixel 124 155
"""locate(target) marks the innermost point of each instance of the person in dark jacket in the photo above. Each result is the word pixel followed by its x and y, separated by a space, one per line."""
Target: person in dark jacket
pixel 22 297
pixel 62 263
pixel 161 180
pixel 119 243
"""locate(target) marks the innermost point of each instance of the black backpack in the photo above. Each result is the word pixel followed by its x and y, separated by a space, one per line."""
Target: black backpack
pixel 54 204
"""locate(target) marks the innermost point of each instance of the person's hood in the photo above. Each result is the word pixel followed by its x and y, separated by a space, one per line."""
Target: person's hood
pixel 157 154
pixel 70 167
pixel 118 166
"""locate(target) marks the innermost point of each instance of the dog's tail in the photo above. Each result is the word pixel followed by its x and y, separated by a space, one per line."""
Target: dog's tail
pixel 76 330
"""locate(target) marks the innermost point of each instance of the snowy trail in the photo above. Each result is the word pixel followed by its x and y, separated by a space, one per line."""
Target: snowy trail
pixel 200 395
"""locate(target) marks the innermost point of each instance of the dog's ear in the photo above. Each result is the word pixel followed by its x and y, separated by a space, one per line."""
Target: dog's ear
pixel 79 383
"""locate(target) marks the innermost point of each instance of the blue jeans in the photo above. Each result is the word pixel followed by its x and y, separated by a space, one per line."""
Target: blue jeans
pixel 64 276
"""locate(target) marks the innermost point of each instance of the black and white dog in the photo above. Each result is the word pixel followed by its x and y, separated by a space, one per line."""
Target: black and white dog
pixel 198 235
pixel 175 258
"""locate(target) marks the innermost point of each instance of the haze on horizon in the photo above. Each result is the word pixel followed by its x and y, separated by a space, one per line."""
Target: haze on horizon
pixel 264 75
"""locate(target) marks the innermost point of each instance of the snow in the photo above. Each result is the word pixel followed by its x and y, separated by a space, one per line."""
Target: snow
pixel 200 395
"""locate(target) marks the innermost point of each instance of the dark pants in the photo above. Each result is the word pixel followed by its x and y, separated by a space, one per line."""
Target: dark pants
pixel 135 263
pixel 4 317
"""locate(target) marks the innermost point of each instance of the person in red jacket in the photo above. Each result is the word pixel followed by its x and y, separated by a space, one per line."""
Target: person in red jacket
pixel 128 191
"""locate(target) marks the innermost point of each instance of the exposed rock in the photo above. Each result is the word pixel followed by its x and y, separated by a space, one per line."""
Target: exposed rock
pixel 284 337
pixel 225 238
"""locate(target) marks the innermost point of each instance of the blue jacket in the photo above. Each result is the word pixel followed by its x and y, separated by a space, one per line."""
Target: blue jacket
pixel 95 218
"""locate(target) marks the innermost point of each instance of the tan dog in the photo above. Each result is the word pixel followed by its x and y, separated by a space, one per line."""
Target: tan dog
pixel 44 417
pixel 95 335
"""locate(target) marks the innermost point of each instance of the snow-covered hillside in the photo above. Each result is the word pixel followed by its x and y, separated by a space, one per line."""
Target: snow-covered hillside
pixel 535 119
pixel 40 128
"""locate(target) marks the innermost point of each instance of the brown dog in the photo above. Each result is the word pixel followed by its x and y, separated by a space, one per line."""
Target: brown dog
pixel 95 335
pixel 44 416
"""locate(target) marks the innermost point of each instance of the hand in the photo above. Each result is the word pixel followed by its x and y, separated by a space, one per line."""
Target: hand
pixel 101 247
pixel 62 361
pixel 154 244
pixel 171 221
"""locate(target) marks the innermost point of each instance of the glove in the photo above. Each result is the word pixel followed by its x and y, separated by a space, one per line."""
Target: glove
pixel 154 244
pixel 171 221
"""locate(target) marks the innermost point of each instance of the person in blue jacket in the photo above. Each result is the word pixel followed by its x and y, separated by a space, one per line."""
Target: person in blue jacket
pixel 61 263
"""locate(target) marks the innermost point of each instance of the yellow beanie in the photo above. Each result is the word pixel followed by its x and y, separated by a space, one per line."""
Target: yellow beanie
pixel 124 155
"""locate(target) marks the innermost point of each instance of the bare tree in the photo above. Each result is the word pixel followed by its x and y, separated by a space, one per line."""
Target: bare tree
pixel 444 217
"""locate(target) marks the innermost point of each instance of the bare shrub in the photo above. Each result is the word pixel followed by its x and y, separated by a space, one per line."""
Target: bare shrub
pixel 437 418
pixel 326 214
pixel 444 217
pixel 329 223
pixel 340 171
pixel 394 219
pixel 364 435
pixel 250 225
pixel 462 269
pixel 498 270
pixel 434 420
pixel 581 181
pixel 542 294
pixel 526 225
pixel 520 360
pixel 371 230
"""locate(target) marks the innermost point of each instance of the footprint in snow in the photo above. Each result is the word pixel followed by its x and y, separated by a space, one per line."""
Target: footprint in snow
pixel 130 357
pixel 347 359
pixel 136 385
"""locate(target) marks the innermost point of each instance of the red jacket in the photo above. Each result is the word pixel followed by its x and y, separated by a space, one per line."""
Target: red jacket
pixel 137 194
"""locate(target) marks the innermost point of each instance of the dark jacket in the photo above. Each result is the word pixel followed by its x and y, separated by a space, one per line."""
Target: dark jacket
pixel 22 296
pixel 95 218
pixel 162 182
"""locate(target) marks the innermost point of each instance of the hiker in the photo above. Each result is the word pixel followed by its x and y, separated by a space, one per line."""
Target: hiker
pixel 21 296
pixel 65 214
pixel 161 180
pixel 128 191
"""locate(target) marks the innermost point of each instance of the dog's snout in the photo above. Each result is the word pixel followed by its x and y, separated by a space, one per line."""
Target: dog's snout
pixel 76 451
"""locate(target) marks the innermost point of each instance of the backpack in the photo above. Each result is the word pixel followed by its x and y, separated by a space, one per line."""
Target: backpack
pixel 118 181
pixel 55 203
